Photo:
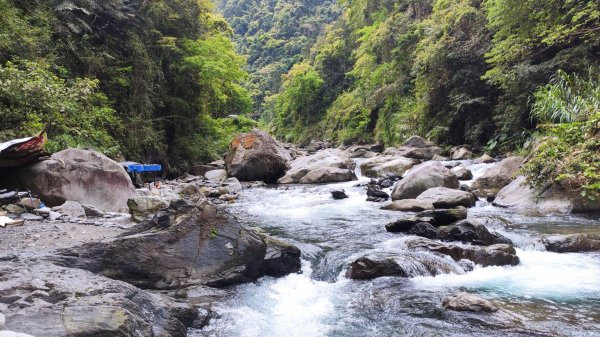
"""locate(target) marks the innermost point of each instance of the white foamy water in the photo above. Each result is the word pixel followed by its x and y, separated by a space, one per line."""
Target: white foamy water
pixel 294 306
pixel 540 274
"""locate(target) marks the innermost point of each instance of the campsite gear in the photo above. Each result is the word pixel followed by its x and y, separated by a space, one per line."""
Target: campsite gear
pixel 23 151
pixel 135 171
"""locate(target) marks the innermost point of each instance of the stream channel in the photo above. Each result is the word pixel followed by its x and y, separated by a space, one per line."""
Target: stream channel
pixel 547 294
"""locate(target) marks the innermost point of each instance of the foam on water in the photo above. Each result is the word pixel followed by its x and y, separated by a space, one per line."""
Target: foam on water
pixel 540 274
pixel 295 306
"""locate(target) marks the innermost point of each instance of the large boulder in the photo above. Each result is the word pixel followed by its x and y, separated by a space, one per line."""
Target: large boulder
pixel 84 176
pixel 518 195
pixel 256 156
pixel 494 255
pixel 383 166
pixel 468 302
pixel 423 177
pixel 190 244
pixel 330 165
pixel 497 176
pixel 573 243
pixel 43 299
pixel 443 197
pixel 461 153
pixel 470 231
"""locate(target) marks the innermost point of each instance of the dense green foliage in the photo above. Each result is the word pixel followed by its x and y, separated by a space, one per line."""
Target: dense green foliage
pixel 148 79
pixel 457 72
pixel 568 154
pixel 274 34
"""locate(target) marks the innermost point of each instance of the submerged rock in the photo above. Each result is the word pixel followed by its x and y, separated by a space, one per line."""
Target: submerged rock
pixel 339 194
pixel 423 177
pixel 256 156
pixel 468 302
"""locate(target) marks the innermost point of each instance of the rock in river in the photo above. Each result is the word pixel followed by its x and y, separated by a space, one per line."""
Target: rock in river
pixel 423 177
pixel 199 245
pixel 256 156
pixel 468 302
pixel 469 231
pixel 573 243
pixel 330 165
pixel 442 197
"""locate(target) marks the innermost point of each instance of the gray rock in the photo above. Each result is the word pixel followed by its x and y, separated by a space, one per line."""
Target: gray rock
pixel 409 205
pixel 419 153
pixel 485 159
pixel 463 173
pixel 461 153
pixel 30 203
pixel 442 197
pixel 423 177
pixel 519 196
pixel 405 224
pixel 141 208
pixel 445 217
pixel 330 165
pixel 31 217
pixel 42 299
pixel 470 231
pixel 383 166
pixel 201 245
pixel 92 211
pixel 71 208
pixel 574 243
pixel 216 175
pixel 12 208
pixel 468 302
pixel 83 176
pixel 418 142
pixel 424 229
pixel 328 175
pixel 497 176
pixel 494 255
pixel 256 156
pixel 233 185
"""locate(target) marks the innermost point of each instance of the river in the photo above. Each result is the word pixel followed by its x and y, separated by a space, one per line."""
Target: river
pixel 547 294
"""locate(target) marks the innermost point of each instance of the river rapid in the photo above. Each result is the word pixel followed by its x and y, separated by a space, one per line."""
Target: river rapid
pixel 547 294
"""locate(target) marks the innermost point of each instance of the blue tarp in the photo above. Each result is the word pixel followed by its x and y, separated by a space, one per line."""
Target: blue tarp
pixel 135 167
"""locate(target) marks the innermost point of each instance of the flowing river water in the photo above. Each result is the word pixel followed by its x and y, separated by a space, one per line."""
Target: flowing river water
pixel 547 294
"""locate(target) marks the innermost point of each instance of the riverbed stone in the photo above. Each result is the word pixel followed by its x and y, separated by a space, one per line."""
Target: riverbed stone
pixel 424 229
pixel 256 156
pixel 497 176
pixel 468 302
pixel 423 177
pixel 409 205
pixel 339 194
pixel 471 231
pixel 573 243
pixel 216 175
pixel 461 154
pixel 494 255
pixel 330 165
pixel 443 197
pixel 382 166
pixel 200 245
pixel 445 217
pixel 405 224
pixel 142 207
pixel 72 209
pixel 519 196
pixel 462 173
pixel 43 299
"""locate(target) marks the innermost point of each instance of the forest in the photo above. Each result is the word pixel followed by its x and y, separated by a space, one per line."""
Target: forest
pixel 157 80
